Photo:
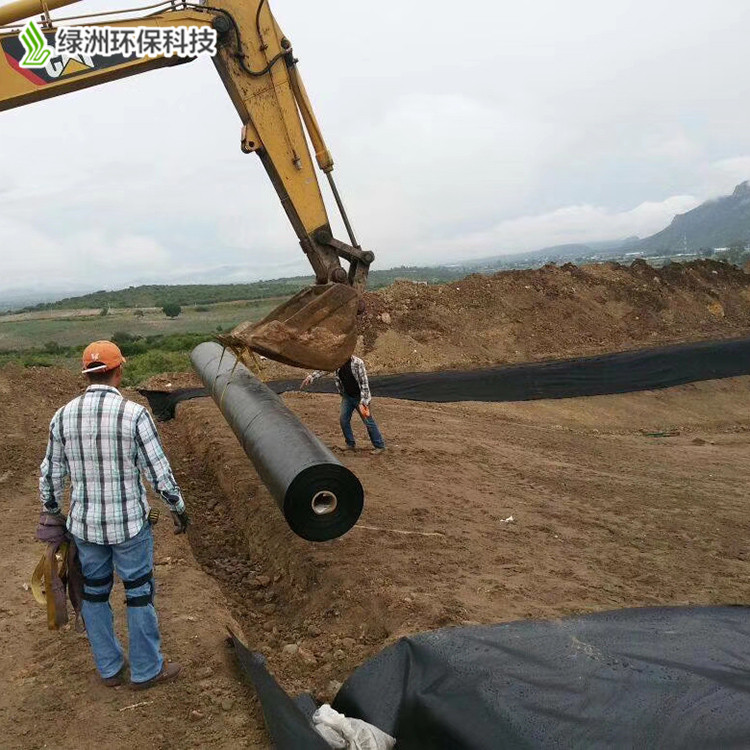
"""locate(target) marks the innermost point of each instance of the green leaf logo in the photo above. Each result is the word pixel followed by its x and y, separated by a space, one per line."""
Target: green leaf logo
pixel 37 49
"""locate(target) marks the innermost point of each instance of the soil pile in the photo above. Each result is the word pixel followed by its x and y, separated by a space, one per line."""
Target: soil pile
pixel 552 312
pixel 28 399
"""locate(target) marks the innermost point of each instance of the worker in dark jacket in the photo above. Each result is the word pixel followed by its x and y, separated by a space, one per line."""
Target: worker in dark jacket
pixel 105 444
pixel 354 388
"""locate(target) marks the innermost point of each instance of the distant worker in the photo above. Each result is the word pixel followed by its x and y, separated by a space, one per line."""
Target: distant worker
pixel 352 384
pixel 105 443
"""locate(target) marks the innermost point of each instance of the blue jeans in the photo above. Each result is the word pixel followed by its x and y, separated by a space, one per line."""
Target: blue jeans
pixel 348 407
pixel 133 560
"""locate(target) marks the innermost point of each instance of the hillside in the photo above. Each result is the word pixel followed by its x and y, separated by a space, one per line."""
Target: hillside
pixel 207 294
pixel 716 223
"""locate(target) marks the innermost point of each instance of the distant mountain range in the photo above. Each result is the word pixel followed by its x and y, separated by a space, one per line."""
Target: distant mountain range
pixel 716 223
pixel 554 253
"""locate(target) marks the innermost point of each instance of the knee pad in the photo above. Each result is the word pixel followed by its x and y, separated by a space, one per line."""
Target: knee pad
pixel 97 583
pixel 140 600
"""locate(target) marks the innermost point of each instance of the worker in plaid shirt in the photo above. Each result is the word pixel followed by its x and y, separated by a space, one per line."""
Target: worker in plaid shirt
pixel 105 444
pixel 354 389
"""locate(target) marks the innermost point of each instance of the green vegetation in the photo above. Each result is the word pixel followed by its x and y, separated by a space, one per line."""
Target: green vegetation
pixel 146 356
pixel 74 328
pixel 151 342
pixel 185 295
pixel 171 310
pixel 199 296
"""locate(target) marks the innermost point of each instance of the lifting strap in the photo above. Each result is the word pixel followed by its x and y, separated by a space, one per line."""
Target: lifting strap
pixel 58 573
pixel 48 586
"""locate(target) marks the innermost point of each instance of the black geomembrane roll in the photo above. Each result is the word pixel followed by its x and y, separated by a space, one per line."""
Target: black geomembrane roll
pixel 320 498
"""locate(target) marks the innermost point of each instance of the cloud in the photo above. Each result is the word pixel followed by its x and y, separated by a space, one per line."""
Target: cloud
pixel 725 174
pixel 571 224
pixel 34 259
pixel 458 131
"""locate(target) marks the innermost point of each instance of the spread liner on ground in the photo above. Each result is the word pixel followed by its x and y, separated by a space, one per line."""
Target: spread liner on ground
pixel 644 369
pixel 666 677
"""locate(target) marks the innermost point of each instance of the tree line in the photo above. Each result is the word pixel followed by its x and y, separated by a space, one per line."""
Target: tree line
pixel 186 295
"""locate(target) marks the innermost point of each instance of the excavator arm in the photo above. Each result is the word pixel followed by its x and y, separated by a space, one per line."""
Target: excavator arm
pixel 256 63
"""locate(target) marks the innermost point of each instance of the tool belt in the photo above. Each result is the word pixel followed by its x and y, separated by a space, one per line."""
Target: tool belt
pixel 56 578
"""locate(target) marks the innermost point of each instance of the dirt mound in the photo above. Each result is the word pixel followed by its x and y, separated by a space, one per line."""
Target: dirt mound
pixel 552 312
pixel 28 399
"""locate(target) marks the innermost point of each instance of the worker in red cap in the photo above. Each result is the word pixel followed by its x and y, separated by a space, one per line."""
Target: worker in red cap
pixel 105 444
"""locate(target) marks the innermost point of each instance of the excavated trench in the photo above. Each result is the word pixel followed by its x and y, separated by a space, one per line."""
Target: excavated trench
pixel 283 591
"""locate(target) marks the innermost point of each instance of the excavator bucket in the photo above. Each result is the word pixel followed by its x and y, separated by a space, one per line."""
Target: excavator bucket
pixel 315 329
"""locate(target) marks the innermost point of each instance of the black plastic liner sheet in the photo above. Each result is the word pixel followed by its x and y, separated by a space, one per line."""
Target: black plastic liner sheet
pixel 638 678
pixel 639 370
pixel 288 722
pixel 623 372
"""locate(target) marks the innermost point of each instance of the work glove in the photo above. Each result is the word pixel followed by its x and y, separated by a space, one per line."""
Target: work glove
pixel 181 521
pixel 51 528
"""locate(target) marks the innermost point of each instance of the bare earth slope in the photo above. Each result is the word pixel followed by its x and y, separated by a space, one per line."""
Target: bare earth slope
pixel 550 313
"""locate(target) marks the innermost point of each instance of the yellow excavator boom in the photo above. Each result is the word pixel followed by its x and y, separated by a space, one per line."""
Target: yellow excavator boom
pixel 256 63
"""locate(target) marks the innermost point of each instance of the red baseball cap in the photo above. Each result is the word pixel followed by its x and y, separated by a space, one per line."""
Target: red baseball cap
pixel 101 356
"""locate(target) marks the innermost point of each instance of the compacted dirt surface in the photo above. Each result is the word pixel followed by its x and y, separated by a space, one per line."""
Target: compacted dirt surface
pixel 477 513
pixel 603 516
pixel 50 695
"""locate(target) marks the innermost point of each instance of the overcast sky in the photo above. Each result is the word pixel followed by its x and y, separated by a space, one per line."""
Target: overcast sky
pixel 459 130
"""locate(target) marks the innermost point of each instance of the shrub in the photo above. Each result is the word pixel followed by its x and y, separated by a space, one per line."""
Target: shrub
pixel 138 313
pixel 36 360
pixel 123 337
pixel 129 343
pixel 104 311
pixel 143 366
pixel 171 310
